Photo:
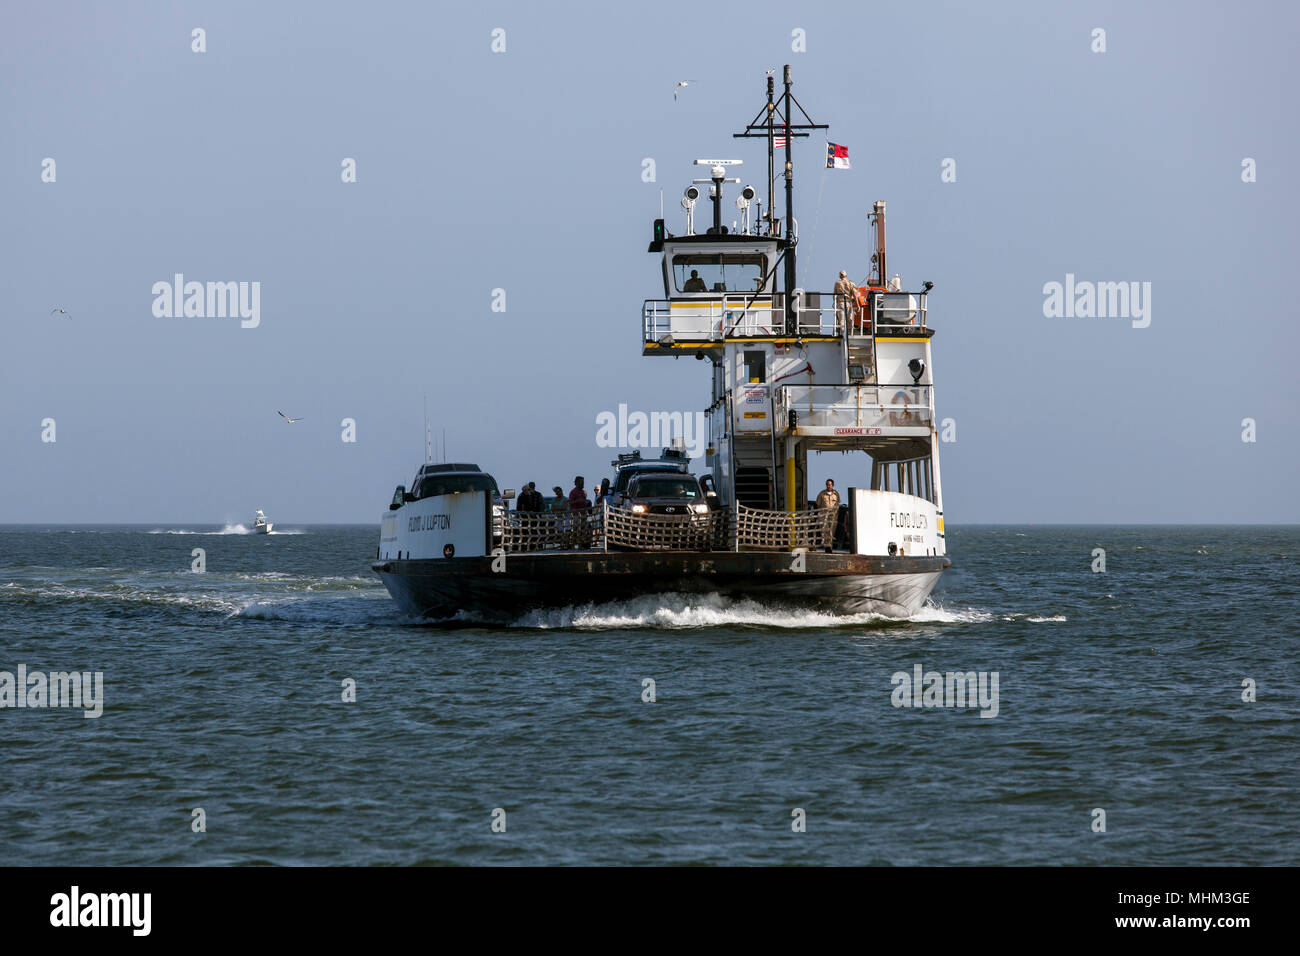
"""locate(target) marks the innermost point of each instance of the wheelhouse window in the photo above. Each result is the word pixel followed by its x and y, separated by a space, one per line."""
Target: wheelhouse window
pixel 714 272
pixel 450 484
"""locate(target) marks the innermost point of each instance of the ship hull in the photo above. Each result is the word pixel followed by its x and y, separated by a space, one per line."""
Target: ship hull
pixel 839 583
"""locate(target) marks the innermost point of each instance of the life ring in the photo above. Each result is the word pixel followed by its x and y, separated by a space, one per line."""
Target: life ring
pixel 861 310
pixel 901 417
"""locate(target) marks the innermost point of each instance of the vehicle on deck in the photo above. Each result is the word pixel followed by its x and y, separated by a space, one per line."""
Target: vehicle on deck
pixel 677 496
pixel 629 466
pixel 665 494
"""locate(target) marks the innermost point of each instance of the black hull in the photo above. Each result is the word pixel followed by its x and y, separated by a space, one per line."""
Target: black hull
pixel 841 583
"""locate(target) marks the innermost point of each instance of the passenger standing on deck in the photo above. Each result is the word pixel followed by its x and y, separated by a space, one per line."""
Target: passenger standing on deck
pixel 529 499
pixel 559 502
pixel 578 497
pixel 829 499
pixel 845 300
pixel 604 491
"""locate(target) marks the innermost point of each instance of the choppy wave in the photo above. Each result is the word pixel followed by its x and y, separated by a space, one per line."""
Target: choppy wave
pixel 934 612
pixel 242 594
pixel 119 594
pixel 680 611
pixel 298 582
pixel 374 609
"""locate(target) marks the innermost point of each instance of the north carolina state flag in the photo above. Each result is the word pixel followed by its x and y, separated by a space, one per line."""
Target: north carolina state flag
pixel 837 156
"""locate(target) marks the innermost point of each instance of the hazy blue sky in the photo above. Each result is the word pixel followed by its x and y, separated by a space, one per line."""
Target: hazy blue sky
pixel 522 170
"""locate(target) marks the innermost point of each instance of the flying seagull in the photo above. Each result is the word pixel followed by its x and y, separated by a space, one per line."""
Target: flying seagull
pixel 286 417
pixel 680 84
pixel 64 311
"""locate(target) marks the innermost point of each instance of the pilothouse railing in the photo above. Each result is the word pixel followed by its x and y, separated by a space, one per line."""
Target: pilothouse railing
pixel 898 308
pixel 742 315
pixel 736 315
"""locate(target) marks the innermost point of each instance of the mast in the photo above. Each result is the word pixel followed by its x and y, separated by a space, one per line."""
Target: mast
pixel 771 176
pixel 790 236
pixel 764 125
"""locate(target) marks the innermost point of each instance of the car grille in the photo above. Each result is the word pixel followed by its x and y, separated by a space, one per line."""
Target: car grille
pixel 675 509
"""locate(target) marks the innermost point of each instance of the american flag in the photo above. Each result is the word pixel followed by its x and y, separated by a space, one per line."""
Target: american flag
pixel 779 142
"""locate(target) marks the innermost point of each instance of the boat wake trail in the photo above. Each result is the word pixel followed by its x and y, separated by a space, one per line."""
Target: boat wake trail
pixel 683 611
pixel 338 600
pixel 347 611
pixel 227 529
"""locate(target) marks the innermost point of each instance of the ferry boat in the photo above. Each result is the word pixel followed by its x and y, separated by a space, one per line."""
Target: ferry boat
pixel 792 372
pixel 260 524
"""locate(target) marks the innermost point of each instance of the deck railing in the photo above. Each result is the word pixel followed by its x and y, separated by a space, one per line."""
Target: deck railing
pixel 724 529
pixel 559 531
pixel 745 315
pixel 738 315
pixel 898 308
pixel 651 532
pixel 856 406
pixel 758 529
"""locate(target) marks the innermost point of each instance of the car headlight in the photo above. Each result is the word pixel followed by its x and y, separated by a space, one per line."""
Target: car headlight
pixel 638 509
pixel 700 509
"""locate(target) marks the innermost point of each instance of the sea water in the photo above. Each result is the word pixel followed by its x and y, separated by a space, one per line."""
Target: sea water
pixel 276 707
